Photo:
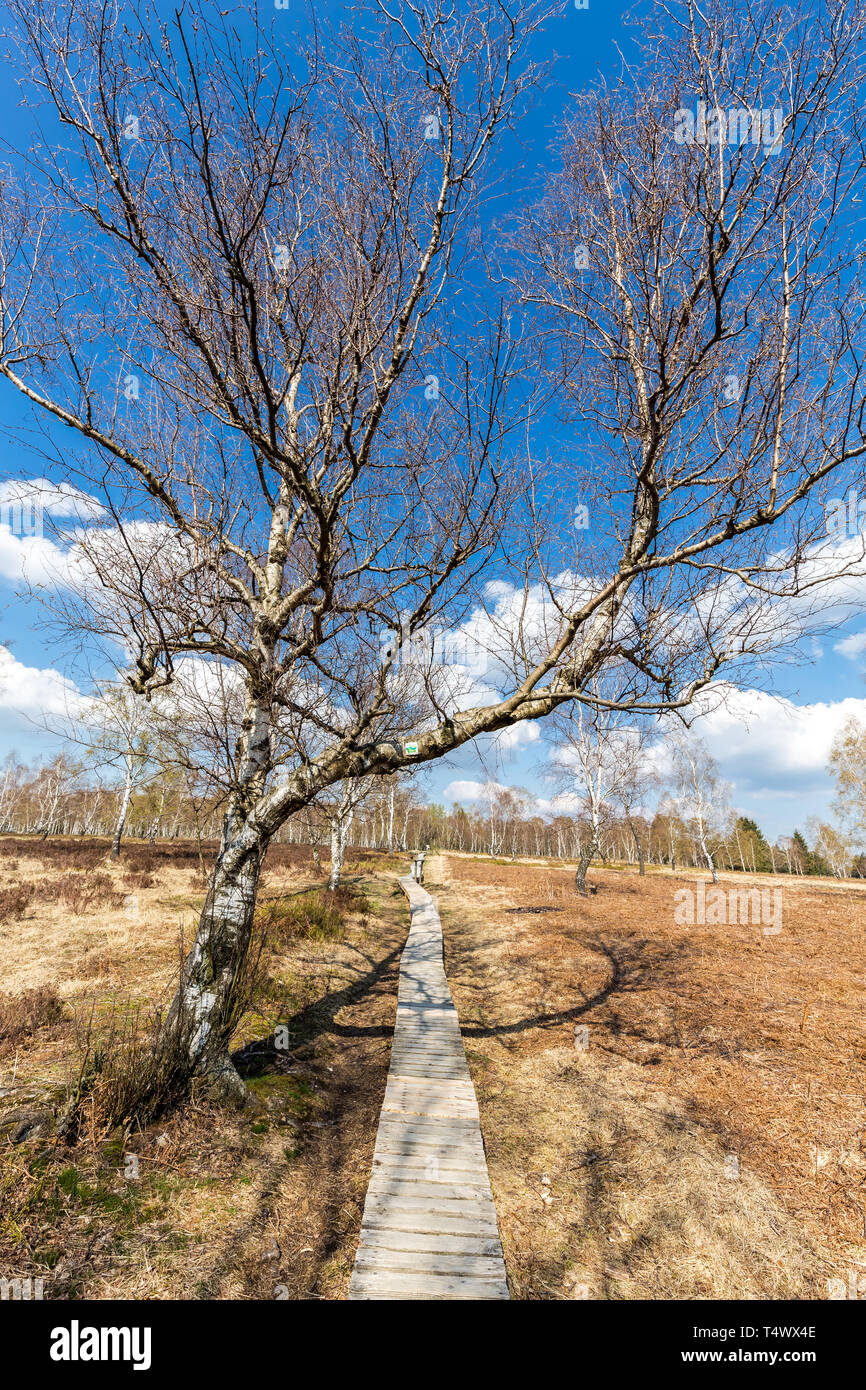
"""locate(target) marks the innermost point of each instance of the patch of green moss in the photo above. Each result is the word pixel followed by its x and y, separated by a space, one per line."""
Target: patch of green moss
pixel 69 1180
pixel 74 1186
pixel 296 1096
pixel 48 1257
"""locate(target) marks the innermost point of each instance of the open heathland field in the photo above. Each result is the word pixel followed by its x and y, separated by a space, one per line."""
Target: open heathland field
pixel 203 1203
pixel 669 1111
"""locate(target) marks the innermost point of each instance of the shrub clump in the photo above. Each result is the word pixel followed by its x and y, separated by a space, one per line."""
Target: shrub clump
pixel 22 1014
pixel 128 1074
pixel 15 900
pixel 138 878
pixel 79 892
pixel 316 915
pixel 82 892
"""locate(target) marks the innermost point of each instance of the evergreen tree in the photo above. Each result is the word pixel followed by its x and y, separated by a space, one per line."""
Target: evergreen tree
pixel 812 863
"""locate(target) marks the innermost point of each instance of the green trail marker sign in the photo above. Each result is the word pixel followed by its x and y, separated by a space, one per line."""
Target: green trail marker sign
pixel 411 748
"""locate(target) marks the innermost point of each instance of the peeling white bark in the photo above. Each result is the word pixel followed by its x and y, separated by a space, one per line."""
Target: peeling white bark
pixel 122 814
pixel 204 1006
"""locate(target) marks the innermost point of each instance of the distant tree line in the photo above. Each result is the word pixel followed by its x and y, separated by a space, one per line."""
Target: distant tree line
pixel 63 797
pixel 509 829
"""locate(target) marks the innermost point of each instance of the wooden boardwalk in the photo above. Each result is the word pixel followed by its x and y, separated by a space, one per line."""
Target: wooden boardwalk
pixel 429 1227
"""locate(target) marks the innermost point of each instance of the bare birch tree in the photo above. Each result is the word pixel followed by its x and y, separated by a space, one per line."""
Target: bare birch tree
pixel 118 738
pixel 339 806
pixel 226 272
pixel 701 796
pixel 638 780
pixel 236 278
pixel 848 766
pixel 601 759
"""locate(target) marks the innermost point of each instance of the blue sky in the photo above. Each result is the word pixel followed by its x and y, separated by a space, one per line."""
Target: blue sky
pixel 772 751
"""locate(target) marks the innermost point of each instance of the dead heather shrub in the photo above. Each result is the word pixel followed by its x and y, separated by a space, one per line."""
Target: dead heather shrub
pixel 64 854
pixel 21 1015
pixel 281 856
pixel 81 893
pixel 15 900
pixel 95 964
pixel 138 878
pixel 90 853
pixel 145 863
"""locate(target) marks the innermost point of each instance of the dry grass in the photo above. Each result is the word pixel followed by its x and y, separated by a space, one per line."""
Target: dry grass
pixel 610 1166
pixel 711 1050
pixel 203 1204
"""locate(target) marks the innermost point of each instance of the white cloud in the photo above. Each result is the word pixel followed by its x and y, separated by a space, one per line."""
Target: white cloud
pixel 34 559
pixel 29 694
pixel 852 646
pixel 832 574
pixel 766 744
pixel 466 792
pixel 563 804
pixel 27 553
pixel 508 741
pixel 55 499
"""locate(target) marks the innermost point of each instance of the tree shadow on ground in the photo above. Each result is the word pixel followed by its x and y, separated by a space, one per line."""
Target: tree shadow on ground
pixel 331 1145
pixel 320 1016
pixel 634 964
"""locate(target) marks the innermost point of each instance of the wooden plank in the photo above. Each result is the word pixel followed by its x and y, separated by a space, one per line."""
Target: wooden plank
pixel 370 1283
pixel 384 1187
pixel 455 1182
pixel 458 1129
pixel 429 1262
pixel 419 1161
pixel 436 1071
pixel 469 1154
pixel 401 1158
pixel 436 1087
pixel 406 1049
pixel 422 1146
pixel 466 1244
pixel 434 1223
pixel 407 1134
pixel 417 1127
pixel 439 1202
pixel 445 1109
pixel 424 1092
pixel 423 1219
pixel 409 1101
pixel 428 1098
